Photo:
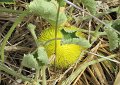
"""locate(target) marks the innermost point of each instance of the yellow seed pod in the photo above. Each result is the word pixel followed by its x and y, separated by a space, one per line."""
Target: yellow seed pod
pixel 67 54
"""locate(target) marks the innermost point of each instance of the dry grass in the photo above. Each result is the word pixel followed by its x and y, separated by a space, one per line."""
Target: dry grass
pixel 21 42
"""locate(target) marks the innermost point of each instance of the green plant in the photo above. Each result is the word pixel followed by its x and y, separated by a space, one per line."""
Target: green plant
pixel 50 10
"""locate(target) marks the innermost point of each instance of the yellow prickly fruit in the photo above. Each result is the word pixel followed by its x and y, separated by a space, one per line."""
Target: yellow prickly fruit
pixel 67 54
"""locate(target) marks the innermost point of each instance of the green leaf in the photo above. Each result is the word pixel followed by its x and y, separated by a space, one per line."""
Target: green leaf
pixel 68 34
pixel 69 37
pixel 62 3
pixel 32 28
pixel 78 41
pixel 113 38
pixel 42 56
pixel 118 41
pixel 29 61
pixel 91 5
pixel 47 10
pixel 118 12
pixel 116 25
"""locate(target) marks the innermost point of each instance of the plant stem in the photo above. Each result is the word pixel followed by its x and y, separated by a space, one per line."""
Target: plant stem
pixel 44 75
pixel 32 28
pixel 10 71
pixel 17 21
pixel 48 41
pixel 56 28
pixel 37 75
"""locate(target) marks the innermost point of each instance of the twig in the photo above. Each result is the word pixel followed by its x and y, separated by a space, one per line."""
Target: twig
pixel 104 57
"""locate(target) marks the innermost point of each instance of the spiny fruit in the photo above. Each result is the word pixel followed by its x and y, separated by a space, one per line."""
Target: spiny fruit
pixel 67 54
